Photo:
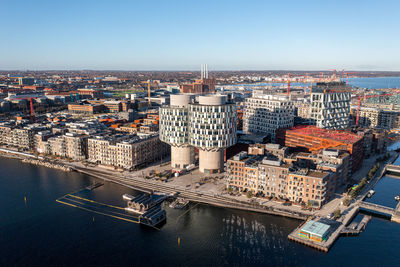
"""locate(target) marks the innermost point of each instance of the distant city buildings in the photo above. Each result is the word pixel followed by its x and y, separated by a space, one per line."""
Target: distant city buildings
pixel 26 81
pixel 202 86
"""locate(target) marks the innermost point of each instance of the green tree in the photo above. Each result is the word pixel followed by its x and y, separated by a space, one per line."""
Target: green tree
pixel 336 213
pixel 249 194
pixel 346 202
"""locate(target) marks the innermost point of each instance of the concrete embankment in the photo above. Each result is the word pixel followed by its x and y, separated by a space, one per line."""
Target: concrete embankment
pixel 48 164
pixel 32 159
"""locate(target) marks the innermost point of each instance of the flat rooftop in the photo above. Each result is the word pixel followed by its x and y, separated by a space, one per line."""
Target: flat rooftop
pixel 316 228
pixel 335 135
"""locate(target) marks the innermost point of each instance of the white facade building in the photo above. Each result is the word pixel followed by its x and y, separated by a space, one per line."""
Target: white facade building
pixel 264 114
pixel 209 125
pixel 330 109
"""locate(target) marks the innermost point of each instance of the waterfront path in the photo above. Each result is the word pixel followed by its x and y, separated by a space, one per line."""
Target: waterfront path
pixel 190 194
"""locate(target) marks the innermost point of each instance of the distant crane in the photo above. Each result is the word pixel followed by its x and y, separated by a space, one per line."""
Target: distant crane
pixel 347 75
pixel 333 77
pixel 32 117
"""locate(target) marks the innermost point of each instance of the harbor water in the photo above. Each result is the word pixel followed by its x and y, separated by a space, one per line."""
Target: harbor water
pixel 36 230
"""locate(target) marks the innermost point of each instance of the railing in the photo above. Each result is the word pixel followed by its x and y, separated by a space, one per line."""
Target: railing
pixel 376 207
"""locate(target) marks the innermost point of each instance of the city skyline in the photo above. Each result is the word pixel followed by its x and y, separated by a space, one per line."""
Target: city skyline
pixel 180 36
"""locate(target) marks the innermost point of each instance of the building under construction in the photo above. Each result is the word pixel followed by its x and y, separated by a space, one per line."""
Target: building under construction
pixel 204 85
pixel 313 139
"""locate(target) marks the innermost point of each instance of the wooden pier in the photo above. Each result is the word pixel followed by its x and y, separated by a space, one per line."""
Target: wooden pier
pixel 354 228
pixel 337 230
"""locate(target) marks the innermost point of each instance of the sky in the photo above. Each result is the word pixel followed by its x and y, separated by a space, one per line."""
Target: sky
pixel 181 35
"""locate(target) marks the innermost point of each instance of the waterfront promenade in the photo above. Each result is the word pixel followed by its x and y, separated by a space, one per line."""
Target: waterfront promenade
pixel 199 196
pixel 136 180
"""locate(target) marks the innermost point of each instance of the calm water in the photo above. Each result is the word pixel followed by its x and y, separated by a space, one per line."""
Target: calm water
pixel 370 83
pixel 44 232
pixel 373 83
pixel 385 191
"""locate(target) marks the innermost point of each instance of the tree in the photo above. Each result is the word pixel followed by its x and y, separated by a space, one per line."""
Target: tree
pixel 346 202
pixel 249 194
pixel 336 213
pixel 363 182
pixel 230 189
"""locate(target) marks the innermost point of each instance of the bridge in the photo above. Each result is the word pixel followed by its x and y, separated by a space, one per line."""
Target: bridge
pixel 393 213
pixel 393 169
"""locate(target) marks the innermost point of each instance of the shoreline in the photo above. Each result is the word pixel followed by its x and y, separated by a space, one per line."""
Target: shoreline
pixel 145 186
pixel 148 187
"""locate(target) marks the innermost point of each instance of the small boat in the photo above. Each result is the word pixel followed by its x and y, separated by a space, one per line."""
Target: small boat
pixel 179 203
pixel 370 193
pixel 127 197
pixel 143 202
pixel 397 198
pixel 148 207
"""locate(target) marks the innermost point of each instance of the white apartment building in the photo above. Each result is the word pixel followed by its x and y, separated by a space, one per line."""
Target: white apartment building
pixel 330 107
pixel 264 114
pixel 125 151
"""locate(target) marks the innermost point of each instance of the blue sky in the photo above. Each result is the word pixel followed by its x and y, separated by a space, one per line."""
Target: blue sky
pixel 181 35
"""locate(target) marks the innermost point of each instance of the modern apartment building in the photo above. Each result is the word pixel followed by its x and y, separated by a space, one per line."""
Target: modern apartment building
pixel 264 114
pixel 309 187
pixel 68 145
pixel 306 179
pixel 377 118
pixel 209 124
pixel 126 151
pixel 313 139
pixel 19 136
pixel 330 106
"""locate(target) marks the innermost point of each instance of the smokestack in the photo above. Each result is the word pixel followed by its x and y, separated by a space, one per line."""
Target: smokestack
pixel 202 71
pixel 206 71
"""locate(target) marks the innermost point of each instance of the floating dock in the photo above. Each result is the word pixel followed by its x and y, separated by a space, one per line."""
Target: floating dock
pixel 94 186
pixel 148 207
pixel 354 228
pixel 179 203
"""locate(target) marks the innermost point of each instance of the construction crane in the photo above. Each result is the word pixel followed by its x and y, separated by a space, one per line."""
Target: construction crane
pixel 347 75
pixel 32 117
pixel 333 77
pixel 360 98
